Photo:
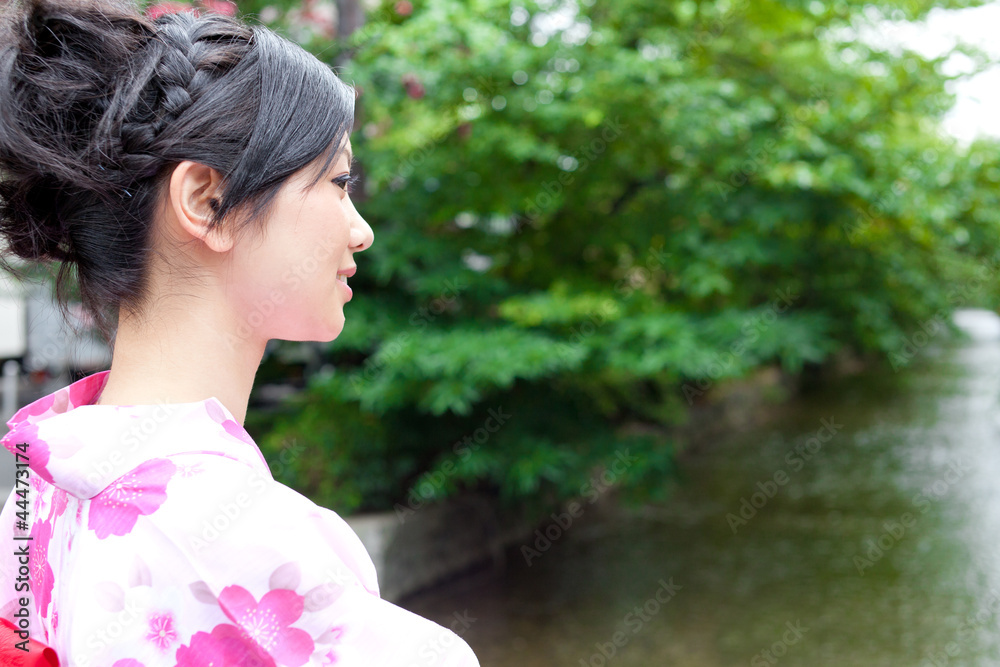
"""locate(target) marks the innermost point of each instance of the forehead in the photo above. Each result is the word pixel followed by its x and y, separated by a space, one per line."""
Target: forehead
pixel 348 153
pixel 343 160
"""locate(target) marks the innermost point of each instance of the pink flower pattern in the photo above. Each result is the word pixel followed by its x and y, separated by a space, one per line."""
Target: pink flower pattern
pixel 205 611
pixel 161 631
pixel 267 623
pixel 189 470
pixel 226 646
pixel 232 428
pixel 85 391
pixel 38 408
pixel 115 510
pixel 60 501
pixel 42 578
pixel 37 450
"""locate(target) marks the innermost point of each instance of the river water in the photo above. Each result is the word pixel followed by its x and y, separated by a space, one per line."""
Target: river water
pixel 869 535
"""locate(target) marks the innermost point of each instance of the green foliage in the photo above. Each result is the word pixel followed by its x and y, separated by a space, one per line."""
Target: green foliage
pixel 577 226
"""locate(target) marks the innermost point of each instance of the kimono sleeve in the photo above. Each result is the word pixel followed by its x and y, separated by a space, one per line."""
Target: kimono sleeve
pixel 272 575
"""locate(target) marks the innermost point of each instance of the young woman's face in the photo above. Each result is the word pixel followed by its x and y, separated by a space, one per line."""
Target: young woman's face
pixel 289 287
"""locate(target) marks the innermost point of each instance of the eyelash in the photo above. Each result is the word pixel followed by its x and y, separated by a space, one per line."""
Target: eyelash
pixel 346 182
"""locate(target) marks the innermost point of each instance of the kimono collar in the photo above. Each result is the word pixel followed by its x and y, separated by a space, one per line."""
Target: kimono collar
pixel 69 441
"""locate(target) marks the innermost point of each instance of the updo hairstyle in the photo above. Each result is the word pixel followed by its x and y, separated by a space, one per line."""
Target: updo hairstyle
pixel 99 102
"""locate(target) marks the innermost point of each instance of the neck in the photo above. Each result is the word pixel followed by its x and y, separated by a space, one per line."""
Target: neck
pixel 182 353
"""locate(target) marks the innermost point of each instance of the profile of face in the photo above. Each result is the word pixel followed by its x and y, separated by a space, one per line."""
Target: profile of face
pixel 288 282
pixel 282 282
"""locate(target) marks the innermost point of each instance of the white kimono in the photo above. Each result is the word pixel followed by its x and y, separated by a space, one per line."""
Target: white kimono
pixel 155 535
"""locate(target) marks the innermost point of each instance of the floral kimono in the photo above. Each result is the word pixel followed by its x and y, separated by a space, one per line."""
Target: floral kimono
pixel 149 535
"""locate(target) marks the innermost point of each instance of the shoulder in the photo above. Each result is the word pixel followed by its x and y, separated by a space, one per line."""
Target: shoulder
pixel 255 546
pixel 216 506
pixel 216 544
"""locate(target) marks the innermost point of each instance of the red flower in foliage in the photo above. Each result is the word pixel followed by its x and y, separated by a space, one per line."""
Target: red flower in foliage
pixel 159 9
pixel 414 88
pixel 404 7
pixel 223 7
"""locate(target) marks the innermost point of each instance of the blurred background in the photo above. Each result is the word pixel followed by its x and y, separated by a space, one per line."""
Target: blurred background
pixel 678 341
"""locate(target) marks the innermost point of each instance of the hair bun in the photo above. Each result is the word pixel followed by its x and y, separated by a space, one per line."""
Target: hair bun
pixel 61 67
pixel 98 103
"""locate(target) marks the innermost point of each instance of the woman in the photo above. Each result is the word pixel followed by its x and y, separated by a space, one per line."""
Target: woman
pixel 196 173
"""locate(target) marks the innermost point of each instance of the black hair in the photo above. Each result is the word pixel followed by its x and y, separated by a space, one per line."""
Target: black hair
pixel 99 102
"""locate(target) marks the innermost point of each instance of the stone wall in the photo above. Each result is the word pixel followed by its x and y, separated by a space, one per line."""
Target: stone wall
pixel 416 549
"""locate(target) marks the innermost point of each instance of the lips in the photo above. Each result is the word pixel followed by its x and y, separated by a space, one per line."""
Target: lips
pixel 342 278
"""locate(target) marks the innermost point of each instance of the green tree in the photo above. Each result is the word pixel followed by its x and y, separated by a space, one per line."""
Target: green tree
pixel 588 214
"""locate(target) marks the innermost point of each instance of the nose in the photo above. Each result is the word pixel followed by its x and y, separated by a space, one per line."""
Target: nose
pixel 362 235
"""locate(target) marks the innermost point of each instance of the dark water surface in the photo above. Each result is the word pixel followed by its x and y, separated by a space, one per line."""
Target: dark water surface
pixel 880 547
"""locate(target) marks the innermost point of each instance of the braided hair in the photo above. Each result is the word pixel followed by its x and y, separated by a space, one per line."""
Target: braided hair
pixel 99 102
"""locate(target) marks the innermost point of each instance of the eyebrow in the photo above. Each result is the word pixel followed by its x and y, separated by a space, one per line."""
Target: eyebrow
pixel 351 164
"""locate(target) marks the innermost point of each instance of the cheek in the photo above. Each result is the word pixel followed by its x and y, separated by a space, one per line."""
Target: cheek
pixel 261 292
pixel 307 274
pixel 259 274
pixel 287 287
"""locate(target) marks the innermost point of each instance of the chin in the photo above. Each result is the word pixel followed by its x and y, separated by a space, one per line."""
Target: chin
pixel 318 332
pixel 330 333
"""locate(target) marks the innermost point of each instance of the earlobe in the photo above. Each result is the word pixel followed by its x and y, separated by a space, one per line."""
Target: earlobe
pixel 193 197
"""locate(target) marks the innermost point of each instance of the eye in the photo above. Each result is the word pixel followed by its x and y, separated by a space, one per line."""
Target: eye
pixel 346 182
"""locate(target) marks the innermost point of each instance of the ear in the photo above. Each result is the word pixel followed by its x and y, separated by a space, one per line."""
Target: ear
pixel 192 195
